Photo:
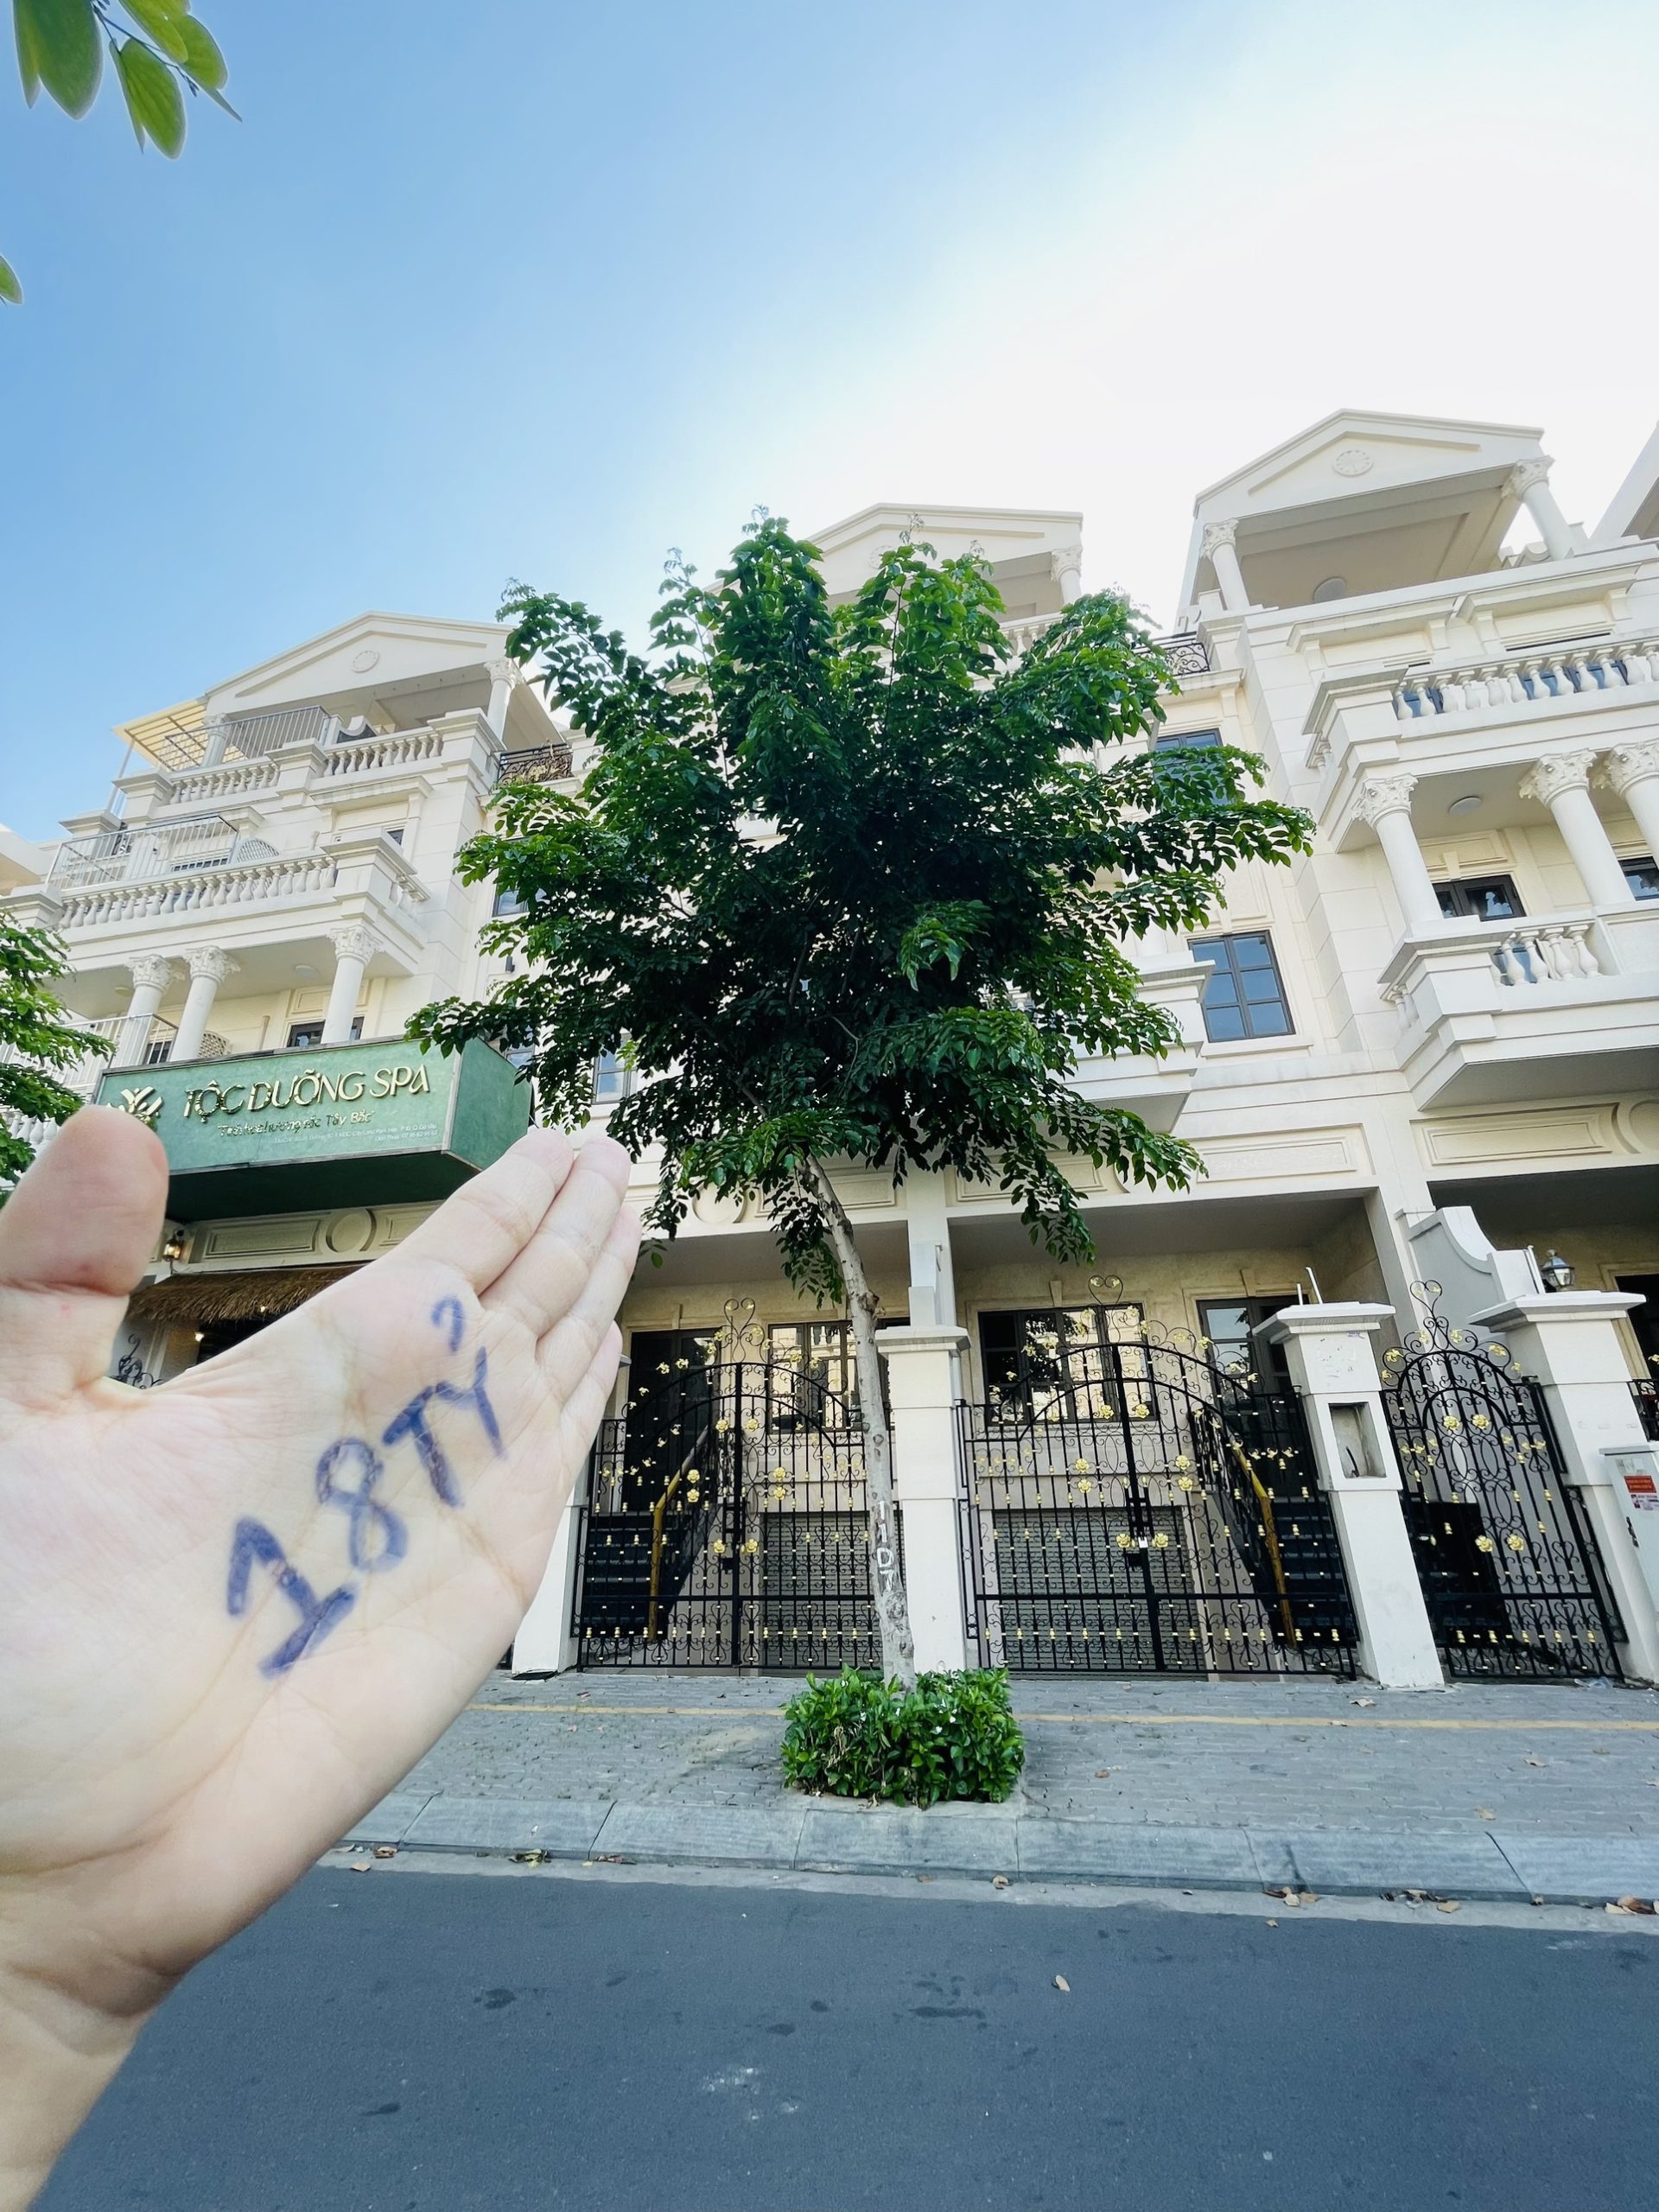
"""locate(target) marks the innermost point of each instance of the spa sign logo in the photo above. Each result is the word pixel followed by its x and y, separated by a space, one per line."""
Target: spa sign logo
pixel 312 1087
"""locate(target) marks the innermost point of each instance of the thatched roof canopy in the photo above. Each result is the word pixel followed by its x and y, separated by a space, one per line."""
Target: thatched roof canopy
pixel 197 1300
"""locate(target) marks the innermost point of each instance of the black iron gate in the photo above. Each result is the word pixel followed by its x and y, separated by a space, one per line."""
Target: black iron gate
pixel 1142 1509
pixel 1510 1573
pixel 726 1524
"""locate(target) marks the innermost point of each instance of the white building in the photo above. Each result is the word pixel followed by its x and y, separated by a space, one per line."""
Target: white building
pixel 1453 1002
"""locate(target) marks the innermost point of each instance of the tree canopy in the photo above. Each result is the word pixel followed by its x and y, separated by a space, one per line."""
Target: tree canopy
pixel 36 1039
pixel 160 50
pixel 854 883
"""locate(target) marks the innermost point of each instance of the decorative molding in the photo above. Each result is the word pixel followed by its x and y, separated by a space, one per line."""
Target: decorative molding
pixel 502 672
pixel 1526 473
pixel 1381 795
pixel 150 971
pixel 1066 560
pixel 1352 460
pixel 1216 535
pixel 1530 1135
pixel 1621 765
pixel 1557 772
pixel 354 941
pixel 208 960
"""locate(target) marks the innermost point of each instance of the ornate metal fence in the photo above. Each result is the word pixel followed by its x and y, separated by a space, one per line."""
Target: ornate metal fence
pixel 1148 1511
pixel 726 1524
pixel 1510 1573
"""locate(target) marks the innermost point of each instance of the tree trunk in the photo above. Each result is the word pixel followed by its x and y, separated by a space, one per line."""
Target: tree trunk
pixel 886 1582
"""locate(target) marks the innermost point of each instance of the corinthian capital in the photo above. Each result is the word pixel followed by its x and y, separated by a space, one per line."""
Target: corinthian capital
pixel 1526 473
pixel 354 941
pixel 208 960
pixel 1624 765
pixel 1216 535
pixel 150 971
pixel 1381 795
pixel 1066 560
pixel 502 672
pixel 1557 772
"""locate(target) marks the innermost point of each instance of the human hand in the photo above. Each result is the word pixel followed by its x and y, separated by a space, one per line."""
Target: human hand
pixel 235 1609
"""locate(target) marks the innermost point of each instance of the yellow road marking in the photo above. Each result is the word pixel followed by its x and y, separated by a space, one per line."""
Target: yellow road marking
pixel 1128 1720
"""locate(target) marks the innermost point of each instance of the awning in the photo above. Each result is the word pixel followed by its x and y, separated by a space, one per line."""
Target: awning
pixel 196 1300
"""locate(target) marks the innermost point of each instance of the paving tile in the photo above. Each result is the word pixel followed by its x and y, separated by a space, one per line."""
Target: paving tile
pixel 507 1824
pixel 738 1836
pixel 1357 1861
pixel 389 1820
pixel 892 1839
pixel 1188 1858
pixel 1583 1870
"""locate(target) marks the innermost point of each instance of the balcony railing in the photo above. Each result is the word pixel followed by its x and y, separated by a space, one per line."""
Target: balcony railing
pixel 535 764
pixel 206 888
pixel 135 854
pixel 252 737
pixel 1525 679
pixel 398 749
pixel 1183 649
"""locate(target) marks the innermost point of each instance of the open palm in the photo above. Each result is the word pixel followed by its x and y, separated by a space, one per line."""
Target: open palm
pixel 235 1609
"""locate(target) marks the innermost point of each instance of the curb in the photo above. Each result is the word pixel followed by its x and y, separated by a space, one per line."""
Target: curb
pixel 817 1835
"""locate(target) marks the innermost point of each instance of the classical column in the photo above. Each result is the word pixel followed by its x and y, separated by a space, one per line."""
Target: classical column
pixel 1569 1340
pixel 354 947
pixel 1631 772
pixel 1329 1353
pixel 502 675
pixel 1065 566
pixel 1384 802
pixel 1560 781
pixel 151 972
pixel 1529 481
pixel 208 969
pixel 922 1364
pixel 1219 547
pixel 927 1223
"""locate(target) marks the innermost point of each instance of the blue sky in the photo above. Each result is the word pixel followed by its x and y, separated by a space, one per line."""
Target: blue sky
pixel 522 287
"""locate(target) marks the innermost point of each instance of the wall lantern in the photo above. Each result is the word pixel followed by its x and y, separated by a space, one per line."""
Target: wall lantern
pixel 1558 1274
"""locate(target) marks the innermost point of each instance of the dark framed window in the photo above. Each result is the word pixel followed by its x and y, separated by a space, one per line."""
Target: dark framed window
pixel 1051 1362
pixel 1190 740
pixel 1643 876
pixel 1228 1322
pixel 813 1381
pixel 1244 996
pixel 507 901
pixel 1484 898
pixel 304 1034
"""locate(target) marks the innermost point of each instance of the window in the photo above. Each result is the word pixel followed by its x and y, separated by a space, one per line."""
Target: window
pixel 1643 876
pixel 507 902
pixel 304 1034
pixel 1244 996
pixel 1228 1322
pixel 1051 1361
pixel 1487 898
pixel 158 1051
pixel 1190 740
pixel 611 1080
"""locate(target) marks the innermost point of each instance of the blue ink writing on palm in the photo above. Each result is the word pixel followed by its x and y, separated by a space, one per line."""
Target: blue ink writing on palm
pixel 377 1538
pixel 253 1543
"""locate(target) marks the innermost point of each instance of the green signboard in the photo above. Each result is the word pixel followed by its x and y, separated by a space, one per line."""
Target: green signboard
pixel 366 1124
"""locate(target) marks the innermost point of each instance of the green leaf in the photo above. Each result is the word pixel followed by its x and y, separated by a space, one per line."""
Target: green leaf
pixel 59 46
pixel 10 290
pixel 165 20
pixel 154 100
pixel 203 59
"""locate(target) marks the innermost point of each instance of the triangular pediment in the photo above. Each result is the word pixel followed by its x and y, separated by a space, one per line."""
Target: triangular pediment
pixel 851 547
pixel 1356 452
pixel 374 654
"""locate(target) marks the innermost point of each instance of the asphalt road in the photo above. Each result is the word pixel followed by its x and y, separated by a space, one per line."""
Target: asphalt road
pixel 410 2042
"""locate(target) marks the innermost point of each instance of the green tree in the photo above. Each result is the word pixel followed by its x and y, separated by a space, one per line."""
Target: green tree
pixel 854 884
pixel 160 52
pixel 36 1038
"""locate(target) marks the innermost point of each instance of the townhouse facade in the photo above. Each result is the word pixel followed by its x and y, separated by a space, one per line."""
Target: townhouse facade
pixel 1429 1050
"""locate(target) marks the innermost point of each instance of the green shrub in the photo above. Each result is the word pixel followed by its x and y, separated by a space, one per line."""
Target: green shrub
pixel 952 1736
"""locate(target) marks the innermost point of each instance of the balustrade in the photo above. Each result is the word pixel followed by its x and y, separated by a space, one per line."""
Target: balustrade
pixel 402 748
pixel 297 875
pixel 1525 679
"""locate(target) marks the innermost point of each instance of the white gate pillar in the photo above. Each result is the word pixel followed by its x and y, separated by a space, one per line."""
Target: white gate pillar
pixel 1569 1341
pixel 1332 1364
pixel 546 1642
pixel 921 1399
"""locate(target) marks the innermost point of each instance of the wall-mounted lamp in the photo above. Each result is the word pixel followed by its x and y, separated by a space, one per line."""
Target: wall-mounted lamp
pixel 1558 1274
pixel 173 1250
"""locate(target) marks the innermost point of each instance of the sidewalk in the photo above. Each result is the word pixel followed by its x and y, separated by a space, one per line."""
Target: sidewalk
pixel 1482 1791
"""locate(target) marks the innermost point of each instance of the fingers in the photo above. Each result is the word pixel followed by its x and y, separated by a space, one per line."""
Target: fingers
pixel 553 1270
pixel 571 1344
pixel 75 1238
pixel 482 1228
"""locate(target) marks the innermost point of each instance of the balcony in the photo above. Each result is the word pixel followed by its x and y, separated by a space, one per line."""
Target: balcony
pixel 1156 1089
pixel 1184 650
pixel 1500 1011
pixel 535 764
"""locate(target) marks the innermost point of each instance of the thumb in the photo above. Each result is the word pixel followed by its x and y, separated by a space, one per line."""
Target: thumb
pixel 75 1237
